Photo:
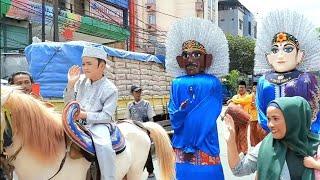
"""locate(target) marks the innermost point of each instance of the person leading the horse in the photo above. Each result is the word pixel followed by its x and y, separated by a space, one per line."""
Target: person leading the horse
pixel 287 50
pixel 197 52
pixel 97 97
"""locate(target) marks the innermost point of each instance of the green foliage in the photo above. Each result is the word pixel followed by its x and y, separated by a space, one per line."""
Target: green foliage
pixel 241 50
pixel 231 80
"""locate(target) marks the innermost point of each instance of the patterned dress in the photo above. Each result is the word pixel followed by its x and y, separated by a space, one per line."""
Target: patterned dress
pixel 294 83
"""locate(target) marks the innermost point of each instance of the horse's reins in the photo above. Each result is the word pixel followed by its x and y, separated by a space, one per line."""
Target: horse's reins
pixel 62 162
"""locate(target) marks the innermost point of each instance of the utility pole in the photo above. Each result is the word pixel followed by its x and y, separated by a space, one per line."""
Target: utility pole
pixel 203 9
pixel 43 24
pixel 30 32
pixel 55 21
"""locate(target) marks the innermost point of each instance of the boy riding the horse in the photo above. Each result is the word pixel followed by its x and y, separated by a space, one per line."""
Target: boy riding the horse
pixel 97 97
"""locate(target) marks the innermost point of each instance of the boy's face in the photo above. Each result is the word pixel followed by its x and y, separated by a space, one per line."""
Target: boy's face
pixel 91 68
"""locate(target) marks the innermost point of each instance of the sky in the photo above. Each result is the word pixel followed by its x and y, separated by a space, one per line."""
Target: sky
pixel 310 8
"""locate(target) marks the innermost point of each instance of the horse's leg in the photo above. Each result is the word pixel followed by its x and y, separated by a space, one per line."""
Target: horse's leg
pixel 123 162
pixel 140 153
pixel 137 174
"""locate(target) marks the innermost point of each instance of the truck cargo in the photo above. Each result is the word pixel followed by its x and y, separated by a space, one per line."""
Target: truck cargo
pixel 49 63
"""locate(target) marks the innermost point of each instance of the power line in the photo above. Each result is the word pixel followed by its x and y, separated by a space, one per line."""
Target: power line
pixel 143 32
pixel 33 11
pixel 105 6
pixel 75 23
pixel 158 11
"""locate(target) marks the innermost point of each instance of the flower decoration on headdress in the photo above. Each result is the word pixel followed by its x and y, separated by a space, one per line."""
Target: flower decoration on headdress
pixel 283 36
pixel 192 45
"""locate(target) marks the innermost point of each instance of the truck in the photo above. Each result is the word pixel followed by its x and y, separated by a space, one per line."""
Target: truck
pixel 48 62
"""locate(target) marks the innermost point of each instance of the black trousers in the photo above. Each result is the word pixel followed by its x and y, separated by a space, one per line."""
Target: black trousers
pixel 2 176
pixel 149 164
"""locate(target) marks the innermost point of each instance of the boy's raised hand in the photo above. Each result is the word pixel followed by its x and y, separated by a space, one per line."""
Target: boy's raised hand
pixel 73 75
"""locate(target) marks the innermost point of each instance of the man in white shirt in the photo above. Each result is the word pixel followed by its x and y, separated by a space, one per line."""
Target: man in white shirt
pixel 141 110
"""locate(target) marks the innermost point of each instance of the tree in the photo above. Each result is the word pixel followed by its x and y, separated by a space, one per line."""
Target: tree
pixel 241 52
pixel 231 80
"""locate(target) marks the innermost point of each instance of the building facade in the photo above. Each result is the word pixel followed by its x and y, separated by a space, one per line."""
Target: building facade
pixel 154 18
pixel 99 21
pixel 236 19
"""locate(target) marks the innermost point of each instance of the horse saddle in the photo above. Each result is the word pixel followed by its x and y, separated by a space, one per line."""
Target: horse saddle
pixel 81 136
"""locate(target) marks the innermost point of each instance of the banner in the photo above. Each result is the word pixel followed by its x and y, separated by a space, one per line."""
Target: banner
pixel 106 12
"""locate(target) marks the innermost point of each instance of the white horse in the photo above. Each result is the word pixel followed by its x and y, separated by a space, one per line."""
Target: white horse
pixel 39 144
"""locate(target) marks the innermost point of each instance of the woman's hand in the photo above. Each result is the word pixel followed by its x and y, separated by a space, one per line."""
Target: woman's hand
pixel 311 162
pixel 229 134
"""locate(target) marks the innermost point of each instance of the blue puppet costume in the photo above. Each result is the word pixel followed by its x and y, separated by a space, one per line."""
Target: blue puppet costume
pixel 287 50
pixel 196 96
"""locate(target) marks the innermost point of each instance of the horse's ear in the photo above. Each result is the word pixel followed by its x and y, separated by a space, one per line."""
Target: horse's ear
pixel 5 93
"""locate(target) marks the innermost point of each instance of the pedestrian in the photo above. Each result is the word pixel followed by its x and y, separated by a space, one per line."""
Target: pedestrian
pixel 197 52
pixel 97 97
pixel 244 100
pixel 141 110
pixel 256 132
pixel 280 155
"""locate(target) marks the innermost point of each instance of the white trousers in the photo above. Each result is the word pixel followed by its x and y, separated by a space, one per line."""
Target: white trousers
pixel 104 152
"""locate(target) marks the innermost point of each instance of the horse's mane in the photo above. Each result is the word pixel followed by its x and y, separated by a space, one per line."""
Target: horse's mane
pixel 39 128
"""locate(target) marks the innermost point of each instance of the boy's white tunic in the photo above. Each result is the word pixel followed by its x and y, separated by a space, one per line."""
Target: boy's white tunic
pixel 99 100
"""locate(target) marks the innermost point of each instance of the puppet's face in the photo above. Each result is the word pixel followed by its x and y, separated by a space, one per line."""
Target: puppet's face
pixel 285 54
pixel 194 58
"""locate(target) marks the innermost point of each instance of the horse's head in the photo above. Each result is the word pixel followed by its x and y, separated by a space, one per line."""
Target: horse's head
pixel 5 93
pixel 37 127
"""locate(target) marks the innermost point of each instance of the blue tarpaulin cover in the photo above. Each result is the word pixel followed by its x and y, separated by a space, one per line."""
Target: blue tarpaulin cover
pixel 49 63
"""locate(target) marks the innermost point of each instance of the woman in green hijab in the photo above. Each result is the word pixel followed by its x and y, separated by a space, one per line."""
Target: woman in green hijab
pixel 280 155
